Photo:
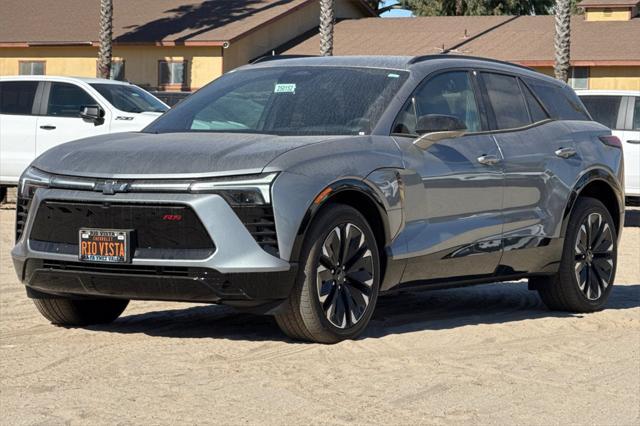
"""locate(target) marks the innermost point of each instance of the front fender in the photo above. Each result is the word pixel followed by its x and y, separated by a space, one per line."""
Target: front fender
pixel 297 200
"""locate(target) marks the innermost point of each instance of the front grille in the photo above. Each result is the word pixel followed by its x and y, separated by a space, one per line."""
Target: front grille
pixel 22 211
pixel 159 231
pixel 261 224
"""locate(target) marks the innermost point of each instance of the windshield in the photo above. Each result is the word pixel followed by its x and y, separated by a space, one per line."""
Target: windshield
pixel 287 101
pixel 129 98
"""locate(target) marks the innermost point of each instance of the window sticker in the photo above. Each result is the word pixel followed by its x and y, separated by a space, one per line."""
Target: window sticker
pixel 285 88
pixel 393 75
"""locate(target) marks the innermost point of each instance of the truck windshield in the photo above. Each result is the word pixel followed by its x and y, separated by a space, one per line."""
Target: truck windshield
pixel 300 100
pixel 129 98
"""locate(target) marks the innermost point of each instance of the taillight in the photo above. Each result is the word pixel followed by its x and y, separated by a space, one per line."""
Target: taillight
pixel 611 140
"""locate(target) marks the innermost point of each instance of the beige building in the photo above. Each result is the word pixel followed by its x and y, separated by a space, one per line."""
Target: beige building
pixel 159 44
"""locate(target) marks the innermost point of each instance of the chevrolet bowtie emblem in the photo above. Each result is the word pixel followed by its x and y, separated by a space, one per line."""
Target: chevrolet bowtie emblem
pixel 110 187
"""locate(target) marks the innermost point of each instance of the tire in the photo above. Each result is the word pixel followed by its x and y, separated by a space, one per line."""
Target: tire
pixel 588 265
pixel 80 312
pixel 333 299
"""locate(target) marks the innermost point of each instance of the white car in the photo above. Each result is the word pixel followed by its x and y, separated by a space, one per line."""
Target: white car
pixel 40 112
pixel 620 111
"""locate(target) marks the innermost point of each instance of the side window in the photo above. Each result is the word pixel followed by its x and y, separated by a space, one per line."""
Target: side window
pixel 603 109
pixel 67 100
pixel 636 115
pixel 561 102
pixel 449 93
pixel 17 97
pixel 506 99
pixel 535 109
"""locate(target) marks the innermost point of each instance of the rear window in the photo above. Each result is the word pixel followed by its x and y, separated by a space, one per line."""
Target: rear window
pixel 603 109
pixel 506 100
pixel 561 102
pixel 636 115
pixel 16 97
pixel 535 109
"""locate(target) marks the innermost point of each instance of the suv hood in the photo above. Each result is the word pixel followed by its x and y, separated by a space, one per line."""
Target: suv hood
pixel 184 155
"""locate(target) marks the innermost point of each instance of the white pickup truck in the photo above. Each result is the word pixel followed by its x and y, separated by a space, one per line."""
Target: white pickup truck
pixel 620 111
pixel 40 112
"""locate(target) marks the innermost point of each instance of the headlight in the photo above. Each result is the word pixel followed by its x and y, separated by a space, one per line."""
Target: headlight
pixel 31 180
pixel 240 191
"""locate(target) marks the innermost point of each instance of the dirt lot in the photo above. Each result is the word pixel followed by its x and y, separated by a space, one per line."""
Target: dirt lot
pixel 485 355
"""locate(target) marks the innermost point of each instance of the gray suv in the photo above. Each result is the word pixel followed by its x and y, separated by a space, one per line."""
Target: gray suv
pixel 306 187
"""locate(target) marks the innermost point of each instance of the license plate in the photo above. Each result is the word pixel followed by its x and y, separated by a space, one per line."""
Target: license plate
pixel 104 245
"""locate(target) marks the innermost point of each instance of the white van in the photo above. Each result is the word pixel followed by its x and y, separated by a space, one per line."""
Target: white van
pixel 40 112
pixel 620 111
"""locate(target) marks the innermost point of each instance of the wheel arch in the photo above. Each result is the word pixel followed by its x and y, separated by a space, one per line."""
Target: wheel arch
pixel 357 194
pixel 603 186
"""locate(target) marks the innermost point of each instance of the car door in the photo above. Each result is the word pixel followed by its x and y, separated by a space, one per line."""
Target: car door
pixel 540 166
pixel 631 147
pixel 19 104
pixel 60 119
pixel 453 212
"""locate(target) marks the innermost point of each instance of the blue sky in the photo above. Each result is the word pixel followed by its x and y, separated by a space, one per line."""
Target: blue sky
pixel 396 13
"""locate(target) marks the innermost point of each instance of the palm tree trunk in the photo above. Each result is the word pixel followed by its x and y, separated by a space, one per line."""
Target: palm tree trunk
pixel 106 36
pixel 562 41
pixel 327 17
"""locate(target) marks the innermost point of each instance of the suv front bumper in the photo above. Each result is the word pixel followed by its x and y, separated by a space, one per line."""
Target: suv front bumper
pixel 239 269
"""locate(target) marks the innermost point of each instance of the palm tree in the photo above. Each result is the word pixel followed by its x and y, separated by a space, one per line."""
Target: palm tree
pixel 562 41
pixel 106 36
pixel 327 14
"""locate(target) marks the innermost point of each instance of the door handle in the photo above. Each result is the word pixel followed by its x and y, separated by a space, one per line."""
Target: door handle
pixel 48 127
pixel 488 160
pixel 565 152
pixel 635 142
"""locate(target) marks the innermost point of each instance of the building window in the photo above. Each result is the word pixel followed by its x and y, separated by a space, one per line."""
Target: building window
pixel 579 78
pixel 117 70
pixel 31 67
pixel 172 74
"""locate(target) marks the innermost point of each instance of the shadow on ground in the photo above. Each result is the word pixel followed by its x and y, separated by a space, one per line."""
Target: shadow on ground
pixel 395 314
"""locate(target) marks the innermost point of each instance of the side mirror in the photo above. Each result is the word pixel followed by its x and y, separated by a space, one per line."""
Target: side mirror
pixel 93 113
pixel 436 127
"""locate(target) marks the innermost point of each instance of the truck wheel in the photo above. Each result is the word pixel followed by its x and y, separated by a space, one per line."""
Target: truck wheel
pixel 337 288
pixel 79 312
pixel 588 266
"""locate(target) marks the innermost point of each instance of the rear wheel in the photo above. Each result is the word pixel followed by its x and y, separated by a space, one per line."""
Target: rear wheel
pixel 588 265
pixel 80 312
pixel 336 292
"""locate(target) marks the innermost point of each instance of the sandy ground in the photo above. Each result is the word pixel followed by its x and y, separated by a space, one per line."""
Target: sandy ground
pixel 483 355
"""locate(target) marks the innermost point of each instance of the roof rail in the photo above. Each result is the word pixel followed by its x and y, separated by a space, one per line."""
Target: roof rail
pixel 423 58
pixel 268 58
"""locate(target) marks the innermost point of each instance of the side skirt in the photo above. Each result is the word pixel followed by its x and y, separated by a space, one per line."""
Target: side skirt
pixel 457 282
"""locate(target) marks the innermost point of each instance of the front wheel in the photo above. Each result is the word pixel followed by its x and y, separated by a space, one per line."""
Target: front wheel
pixel 79 312
pixel 336 291
pixel 588 266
